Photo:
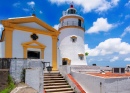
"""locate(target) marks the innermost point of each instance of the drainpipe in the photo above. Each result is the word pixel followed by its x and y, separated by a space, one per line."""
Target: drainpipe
pixel 100 87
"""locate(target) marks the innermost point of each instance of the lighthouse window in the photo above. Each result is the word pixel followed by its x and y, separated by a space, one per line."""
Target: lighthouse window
pixel 81 56
pixel 74 39
pixel 71 11
pixel 79 22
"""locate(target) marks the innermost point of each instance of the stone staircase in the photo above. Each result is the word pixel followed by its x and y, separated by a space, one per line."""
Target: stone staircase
pixel 55 83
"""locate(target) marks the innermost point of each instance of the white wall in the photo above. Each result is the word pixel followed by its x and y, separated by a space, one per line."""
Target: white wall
pixel 91 84
pixel 20 37
pixel 117 85
pixel 69 49
pixel 34 78
pixel 2 49
pixel 59 59
pixel 33 25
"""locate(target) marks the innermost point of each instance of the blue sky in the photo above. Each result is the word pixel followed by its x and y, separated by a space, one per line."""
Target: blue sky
pixel 107 23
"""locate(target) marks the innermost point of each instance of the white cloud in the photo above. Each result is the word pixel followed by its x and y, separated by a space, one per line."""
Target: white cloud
pixel 90 60
pixel 127 17
pixel 32 3
pixel 109 46
pixel 100 25
pixel 121 15
pixel 17 4
pixel 89 5
pixel 40 12
pixel 26 9
pixel 127 30
pixel 56 26
pixel 127 59
pixel 128 4
pixel 100 59
pixel 114 59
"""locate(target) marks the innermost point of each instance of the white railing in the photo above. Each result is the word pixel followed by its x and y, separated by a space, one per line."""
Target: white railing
pixel 71 23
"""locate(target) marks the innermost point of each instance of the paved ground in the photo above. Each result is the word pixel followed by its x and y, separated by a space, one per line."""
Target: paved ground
pixel 23 88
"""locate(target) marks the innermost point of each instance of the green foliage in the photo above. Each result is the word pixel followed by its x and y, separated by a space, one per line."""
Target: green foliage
pixel 86 54
pixel 10 86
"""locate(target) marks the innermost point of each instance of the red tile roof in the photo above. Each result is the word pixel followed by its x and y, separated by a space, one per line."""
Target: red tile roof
pixel 76 83
pixel 111 75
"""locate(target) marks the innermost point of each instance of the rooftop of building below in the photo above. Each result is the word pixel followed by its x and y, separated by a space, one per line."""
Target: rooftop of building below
pixel 111 75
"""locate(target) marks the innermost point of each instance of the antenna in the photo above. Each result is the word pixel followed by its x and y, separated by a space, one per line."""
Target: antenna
pixel 71 5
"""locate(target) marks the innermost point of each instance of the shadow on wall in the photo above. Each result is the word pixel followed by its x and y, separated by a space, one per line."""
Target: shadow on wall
pixel 3 79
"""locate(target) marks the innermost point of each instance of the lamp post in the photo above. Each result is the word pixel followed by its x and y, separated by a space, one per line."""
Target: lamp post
pixel 49 68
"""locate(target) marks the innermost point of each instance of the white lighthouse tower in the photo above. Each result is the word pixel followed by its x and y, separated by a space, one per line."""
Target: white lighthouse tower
pixel 71 38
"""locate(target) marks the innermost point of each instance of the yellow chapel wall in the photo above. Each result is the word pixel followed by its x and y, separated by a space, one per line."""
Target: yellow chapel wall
pixel 29 25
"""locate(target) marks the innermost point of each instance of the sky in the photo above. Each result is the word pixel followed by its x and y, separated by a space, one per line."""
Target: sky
pixel 107 24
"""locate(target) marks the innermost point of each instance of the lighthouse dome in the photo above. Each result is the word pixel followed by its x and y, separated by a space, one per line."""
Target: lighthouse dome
pixel 71 10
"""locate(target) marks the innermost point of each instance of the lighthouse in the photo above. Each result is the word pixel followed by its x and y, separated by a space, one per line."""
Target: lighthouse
pixel 71 38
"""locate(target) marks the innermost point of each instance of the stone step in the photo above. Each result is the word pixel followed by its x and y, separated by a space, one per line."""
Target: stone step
pixel 55 84
pixel 62 92
pixel 54 81
pixel 58 89
pixel 58 86
pixel 52 72
pixel 46 79
pixel 53 76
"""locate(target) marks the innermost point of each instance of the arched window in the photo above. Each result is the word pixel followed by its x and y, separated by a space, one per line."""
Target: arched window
pixel 81 56
pixel 66 61
pixel 73 39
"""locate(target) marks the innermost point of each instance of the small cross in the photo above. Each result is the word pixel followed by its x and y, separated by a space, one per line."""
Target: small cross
pixel 34 36
pixel 33 11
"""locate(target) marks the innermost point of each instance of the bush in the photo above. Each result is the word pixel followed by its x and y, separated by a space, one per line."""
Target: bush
pixel 10 86
pixel 86 54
